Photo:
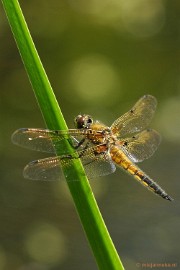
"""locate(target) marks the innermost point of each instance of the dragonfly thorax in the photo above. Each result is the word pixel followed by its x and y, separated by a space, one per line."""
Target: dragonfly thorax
pixel 98 133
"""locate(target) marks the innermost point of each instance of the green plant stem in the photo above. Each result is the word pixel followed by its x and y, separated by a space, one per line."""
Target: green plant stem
pixel 90 216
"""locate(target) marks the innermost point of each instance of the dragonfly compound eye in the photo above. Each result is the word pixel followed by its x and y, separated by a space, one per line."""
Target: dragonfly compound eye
pixel 83 121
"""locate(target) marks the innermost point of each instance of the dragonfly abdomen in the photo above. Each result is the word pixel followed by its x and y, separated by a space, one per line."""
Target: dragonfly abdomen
pixel 121 160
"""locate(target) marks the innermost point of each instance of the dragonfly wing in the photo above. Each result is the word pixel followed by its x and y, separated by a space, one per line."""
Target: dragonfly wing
pixel 99 165
pixel 45 140
pixel 49 169
pixel 137 118
pixel 142 145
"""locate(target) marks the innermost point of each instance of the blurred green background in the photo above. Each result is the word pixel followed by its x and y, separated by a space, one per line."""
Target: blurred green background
pixel 101 57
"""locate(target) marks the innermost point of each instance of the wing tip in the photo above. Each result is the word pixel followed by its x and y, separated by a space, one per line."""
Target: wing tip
pixel 15 137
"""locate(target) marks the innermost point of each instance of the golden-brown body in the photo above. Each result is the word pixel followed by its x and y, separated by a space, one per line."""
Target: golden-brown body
pixel 98 146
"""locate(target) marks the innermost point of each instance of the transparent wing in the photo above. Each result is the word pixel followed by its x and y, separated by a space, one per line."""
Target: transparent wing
pixel 49 169
pixel 45 140
pixel 137 118
pixel 142 145
pixel 96 165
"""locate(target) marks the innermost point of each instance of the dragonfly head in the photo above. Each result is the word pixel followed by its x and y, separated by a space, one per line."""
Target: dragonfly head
pixel 83 121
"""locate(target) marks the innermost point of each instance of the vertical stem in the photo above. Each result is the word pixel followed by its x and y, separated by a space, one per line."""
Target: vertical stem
pixel 86 206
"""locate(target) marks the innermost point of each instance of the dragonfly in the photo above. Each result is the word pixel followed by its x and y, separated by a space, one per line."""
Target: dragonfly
pixel 100 148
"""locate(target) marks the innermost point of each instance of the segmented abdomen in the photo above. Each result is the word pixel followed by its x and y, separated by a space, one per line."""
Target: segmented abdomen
pixel 122 160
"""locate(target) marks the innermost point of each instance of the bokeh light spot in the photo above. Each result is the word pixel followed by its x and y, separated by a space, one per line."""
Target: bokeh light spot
pixel 106 11
pixel 139 17
pixel 93 77
pixel 45 244
pixel 143 18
